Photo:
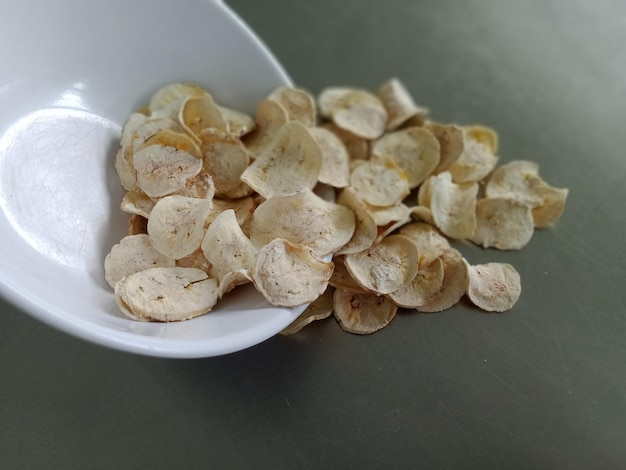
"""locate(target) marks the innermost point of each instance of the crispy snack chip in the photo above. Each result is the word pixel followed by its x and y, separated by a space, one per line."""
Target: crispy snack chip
pixel 362 313
pixel 379 183
pixel 493 287
pixel 319 309
pixel 173 93
pixel 270 117
pixel 399 104
pixel 361 113
pixel 335 169
pixel 453 206
pixel 199 113
pixel 365 231
pixel 427 283
pixel 298 103
pixel 505 224
pixel 453 285
pixel 478 158
pixel 451 140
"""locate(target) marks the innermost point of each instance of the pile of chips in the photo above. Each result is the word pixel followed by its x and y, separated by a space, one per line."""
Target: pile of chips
pixel 347 203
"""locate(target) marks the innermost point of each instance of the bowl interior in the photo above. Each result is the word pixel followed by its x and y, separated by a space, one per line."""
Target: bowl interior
pixel 69 81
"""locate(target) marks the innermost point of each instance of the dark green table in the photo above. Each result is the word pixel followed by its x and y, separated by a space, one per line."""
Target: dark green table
pixel 543 386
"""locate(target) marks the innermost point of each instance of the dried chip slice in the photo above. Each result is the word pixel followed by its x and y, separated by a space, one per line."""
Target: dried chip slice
pixel 290 163
pixel 502 223
pixel 385 266
pixel 383 216
pixel 341 278
pixel 298 103
pixel 358 148
pixel 167 294
pixel 431 244
pixel 453 286
pixel 303 218
pixel 319 309
pixel 425 285
pixel 551 207
pixel 137 202
pixel 451 143
pixel 361 113
pixel 176 225
pixel 200 186
pixel 493 287
pixel 328 99
pixel 125 171
pixel 173 92
pixel 365 231
pixel 478 158
pixel 225 159
pixel 379 183
pixel 423 214
pixel 413 149
pixel 270 117
pixel 453 206
pixel 132 254
pixel 228 250
pixel 239 124
pixel 201 112
pixel 289 275
pixel 399 103
pixel 137 224
pixel 335 169
pixel 362 313
pixel 243 207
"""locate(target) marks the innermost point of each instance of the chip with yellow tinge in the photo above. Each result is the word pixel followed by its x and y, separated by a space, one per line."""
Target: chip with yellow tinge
pixel 362 313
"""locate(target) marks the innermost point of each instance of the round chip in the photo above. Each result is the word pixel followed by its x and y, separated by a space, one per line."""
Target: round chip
pixel 136 202
pixel 399 104
pixel 413 149
pixel 319 309
pixel 289 275
pixel 453 285
pixel 134 253
pixel 379 183
pixel 365 231
pixel 358 148
pixel 453 206
pixel 173 92
pixel 478 158
pixel 362 313
pixel 298 103
pixel 167 294
pixel 270 117
pixel 176 225
pixel 551 207
pixel 335 169
pixel 303 218
pixel 505 224
pixel 199 113
pixel 385 266
pixel 239 124
pixel 430 243
pixel 493 287
pixel 361 113
pixel 425 285
pixel 328 99
pixel 451 143
pixel 341 278
pixel 228 249
pixel 290 163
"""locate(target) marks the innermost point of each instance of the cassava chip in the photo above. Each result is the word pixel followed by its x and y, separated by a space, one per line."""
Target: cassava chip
pixel 176 225
pixel 361 113
pixel 328 99
pixel 385 266
pixel 425 285
pixel 341 278
pixel 335 169
pixel 451 143
pixel 200 112
pixel 303 218
pixel 270 117
pixel 505 224
pixel 174 92
pixel 365 231
pixel 399 103
pixel 289 275
pixel 431 244
pixel 413 149
pixel 136 202
pixel 494 287
pixel 167 294
pixel 290 163
pixel 453 206
pixel 380 183
pixel 298 103
pixel 319 309
pixel 453 284
pixel 362 313
pixel 200 186
pixel 243 207
pixel 239 124
pixel 134 253
pixel 478 158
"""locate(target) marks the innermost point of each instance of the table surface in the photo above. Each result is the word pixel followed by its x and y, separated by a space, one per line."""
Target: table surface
pixel 542 386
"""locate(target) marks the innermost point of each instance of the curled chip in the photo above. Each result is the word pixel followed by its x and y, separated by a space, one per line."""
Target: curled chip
pixel 362 313
pixel 365 231
pixel 176 225
pixel 399 104
pixel 270 117
pixel 478 157
pixel 341 278
pixel 303 218
pixel 358 148
pixel 229 251
pixel 134 253
pixel 379 183
pixel 166 294
pixel 494 287
pixel 502 223
pixel 431 244
pixel 451 140
pixel 199 113
pixel 239 124
pixel 136 202
pixel 289 275
pixel 328 99
pixel 290 163
pixel 425 285
pixel 453 206
pixel 319 309
pixel 225 159
pixel 453 285
pixel 335 169
pixel 520 180
pixel 385 266
pixel 422 213
pixel 390 218
pixel 413 149
pixel 361 113
pixel 173 93
pixel 298 103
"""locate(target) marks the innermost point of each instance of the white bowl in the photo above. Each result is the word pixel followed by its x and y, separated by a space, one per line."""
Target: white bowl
pixel 72 73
